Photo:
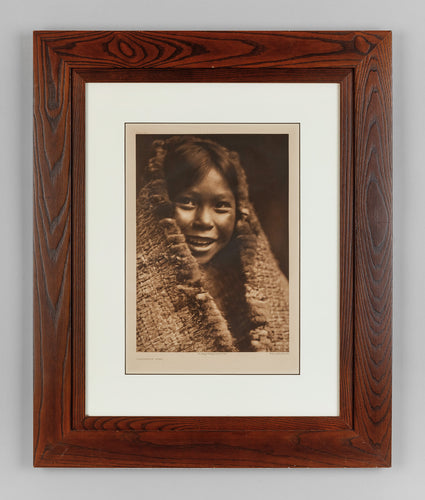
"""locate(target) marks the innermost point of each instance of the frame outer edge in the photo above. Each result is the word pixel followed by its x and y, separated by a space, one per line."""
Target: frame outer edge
pixel 373 255
pixel 52 266
pixel 52 249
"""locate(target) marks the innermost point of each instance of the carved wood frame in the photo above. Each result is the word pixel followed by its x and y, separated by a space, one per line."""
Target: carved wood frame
pixel 361 63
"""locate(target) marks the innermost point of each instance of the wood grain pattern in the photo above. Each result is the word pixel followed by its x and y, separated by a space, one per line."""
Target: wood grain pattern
pixel 78 251
pixel 209 449
pixel 212 49
pixel 346 249
pixel 373 277
pixel 361 63
pixel 52 247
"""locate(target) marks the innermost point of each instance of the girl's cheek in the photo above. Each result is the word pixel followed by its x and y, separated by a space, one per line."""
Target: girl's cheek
pixel 183 217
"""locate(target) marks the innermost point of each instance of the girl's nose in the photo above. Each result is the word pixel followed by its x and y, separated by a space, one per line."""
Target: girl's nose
pixel 203 218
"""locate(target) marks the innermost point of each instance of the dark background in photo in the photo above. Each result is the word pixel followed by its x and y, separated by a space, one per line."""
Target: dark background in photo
pixel 264 158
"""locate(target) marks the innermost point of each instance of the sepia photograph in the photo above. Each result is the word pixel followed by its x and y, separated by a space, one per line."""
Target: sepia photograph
pixel 209 233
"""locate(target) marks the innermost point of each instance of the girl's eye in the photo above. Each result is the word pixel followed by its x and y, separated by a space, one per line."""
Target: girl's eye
pixel 186 202
pixel 223 206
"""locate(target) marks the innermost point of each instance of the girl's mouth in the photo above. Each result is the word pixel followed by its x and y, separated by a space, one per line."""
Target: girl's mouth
pixel 199 242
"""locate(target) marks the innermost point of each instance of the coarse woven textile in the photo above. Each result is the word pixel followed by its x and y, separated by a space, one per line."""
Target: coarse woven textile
pixel 238 302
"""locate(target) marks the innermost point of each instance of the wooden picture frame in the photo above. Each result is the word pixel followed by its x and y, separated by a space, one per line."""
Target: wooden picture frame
pixel 360 62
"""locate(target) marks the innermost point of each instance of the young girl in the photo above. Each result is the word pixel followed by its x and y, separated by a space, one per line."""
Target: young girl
pixel 206 277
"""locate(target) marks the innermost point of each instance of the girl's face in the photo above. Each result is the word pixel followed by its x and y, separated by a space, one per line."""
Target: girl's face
pixel 206 215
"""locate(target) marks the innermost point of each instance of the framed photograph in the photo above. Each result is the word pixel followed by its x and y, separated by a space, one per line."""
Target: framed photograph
pixel 212 249
pixel 228 291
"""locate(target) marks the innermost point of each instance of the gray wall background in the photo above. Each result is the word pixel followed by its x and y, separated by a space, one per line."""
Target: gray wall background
pixel 18 20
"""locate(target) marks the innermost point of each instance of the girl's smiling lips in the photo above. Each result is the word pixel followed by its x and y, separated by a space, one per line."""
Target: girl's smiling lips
pixel 199 242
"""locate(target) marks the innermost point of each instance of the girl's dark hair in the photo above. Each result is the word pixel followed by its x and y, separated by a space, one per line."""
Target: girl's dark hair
pixel 188 159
